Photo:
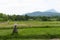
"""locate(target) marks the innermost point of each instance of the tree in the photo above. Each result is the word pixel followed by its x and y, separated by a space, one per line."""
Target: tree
pixel 26 17
pixel 44 18
pixel 58 18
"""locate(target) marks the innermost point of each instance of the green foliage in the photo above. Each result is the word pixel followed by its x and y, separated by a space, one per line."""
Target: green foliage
pixel 31 33
pixel 26 17
pixel 44 18
pixel 44 30
pixel 4 17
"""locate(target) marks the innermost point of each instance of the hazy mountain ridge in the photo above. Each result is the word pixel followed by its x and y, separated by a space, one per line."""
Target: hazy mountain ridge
pixel 46 13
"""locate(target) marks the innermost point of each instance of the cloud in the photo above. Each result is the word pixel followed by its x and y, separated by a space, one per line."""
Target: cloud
pixel 55 4
pixel 25 6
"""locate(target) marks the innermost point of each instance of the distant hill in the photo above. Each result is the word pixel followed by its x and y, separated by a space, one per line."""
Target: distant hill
pixel 51 12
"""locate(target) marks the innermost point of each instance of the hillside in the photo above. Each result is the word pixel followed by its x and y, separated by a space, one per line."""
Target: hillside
pixel 46 13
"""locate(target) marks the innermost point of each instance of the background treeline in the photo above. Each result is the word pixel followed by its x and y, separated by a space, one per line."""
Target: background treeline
pixel 4 17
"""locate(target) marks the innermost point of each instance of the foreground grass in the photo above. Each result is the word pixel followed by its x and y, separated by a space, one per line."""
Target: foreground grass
pixel 30 30
pixel 34 33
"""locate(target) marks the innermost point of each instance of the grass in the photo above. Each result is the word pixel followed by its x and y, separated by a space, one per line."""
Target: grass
pixel 30 24
pixel 39 31
pixel 32 33
pixel 30 30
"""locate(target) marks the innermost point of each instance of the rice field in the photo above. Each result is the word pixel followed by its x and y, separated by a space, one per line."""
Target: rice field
pixel 30 30
pixel 30 24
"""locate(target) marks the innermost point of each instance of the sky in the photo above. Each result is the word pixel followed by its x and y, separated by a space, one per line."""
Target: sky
pixel 20 7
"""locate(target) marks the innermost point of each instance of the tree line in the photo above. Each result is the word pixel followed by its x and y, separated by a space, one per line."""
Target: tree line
pixel 4 17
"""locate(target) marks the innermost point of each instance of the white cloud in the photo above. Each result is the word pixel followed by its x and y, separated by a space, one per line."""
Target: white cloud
pixel 55 4
pixel 25 6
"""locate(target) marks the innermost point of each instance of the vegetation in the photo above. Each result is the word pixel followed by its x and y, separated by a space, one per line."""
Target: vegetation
pixel 29 27
pixel 39 30
pixel 31 33
pixel 4 17
pixel 30 24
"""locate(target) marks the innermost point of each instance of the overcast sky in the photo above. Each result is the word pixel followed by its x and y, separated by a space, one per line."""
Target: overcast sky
pixel 26 6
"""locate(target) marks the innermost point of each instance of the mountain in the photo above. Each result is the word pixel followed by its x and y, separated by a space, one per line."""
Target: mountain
pixel 51 12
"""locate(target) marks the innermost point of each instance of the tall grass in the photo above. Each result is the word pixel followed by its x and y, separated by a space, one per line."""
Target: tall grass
pixel 23 24
pixel 30 30
pixel 31 33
